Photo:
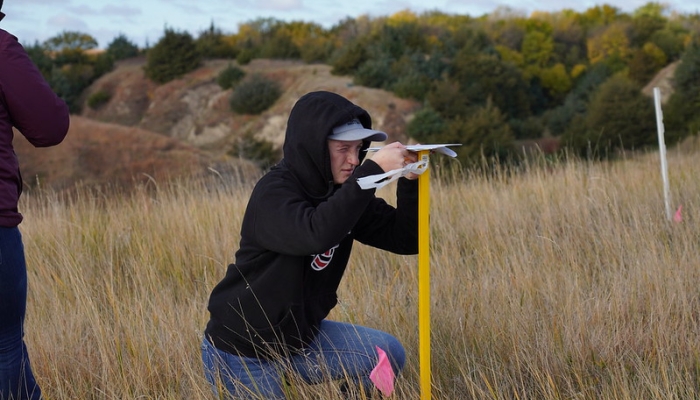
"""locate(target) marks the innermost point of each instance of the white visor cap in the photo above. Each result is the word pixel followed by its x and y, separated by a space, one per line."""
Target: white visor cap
pixel 354 130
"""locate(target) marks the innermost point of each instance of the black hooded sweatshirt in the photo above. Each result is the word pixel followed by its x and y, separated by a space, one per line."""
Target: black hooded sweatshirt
pixel 297 234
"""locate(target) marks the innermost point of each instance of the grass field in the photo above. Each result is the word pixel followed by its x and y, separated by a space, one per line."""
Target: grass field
pixel 559 281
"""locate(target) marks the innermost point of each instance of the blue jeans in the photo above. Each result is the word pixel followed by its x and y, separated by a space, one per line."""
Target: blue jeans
pixel 340 352
pixel 16 378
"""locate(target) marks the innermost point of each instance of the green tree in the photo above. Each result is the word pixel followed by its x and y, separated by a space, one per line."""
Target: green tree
pixel 619 117
pixel 308 41
pixel 600 15
pixel 556 81
pixel 174 55
pixel 647 20
pixel 70 47
pixel 569 39
pixel 38 54
pixel 485 76
pixel 375 73
pixel 612 46
pixel 349 58
pixel 121 48
pixel 280 46
pixel 681 111
pixel 69 68
pixel 427 126
pixel 317 46
pixel 211 43
pixel 646 62
pixel 101 64
pixel 484 133
pixel 447 99
pixel 538 48
pixel 671 40
pixel 506 27
pixel 559 119
pixel 623 114
pixel 69 81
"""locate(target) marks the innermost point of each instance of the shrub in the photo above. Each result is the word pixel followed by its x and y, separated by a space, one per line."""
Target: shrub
pixel 259 151
pixel 97 99
pixel 229 77
pixel 349 58
pixel 245 56
pixel 528 128
pixel 375 73
pixel 411 86
pixel 255 95
pixel 173 56
pixel 427 126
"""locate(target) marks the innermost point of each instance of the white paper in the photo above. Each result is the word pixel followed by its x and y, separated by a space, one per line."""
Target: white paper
pixel 381 180
pixel 440 148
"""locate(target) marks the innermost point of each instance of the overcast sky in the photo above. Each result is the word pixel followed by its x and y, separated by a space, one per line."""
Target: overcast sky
pixel 144 21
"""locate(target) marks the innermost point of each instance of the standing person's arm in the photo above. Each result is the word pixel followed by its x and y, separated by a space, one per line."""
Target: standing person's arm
pixel 34 109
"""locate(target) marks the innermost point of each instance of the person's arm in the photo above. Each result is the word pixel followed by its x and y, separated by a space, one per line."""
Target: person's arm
pixel 35 110
pixel 284 220
pixel 389 228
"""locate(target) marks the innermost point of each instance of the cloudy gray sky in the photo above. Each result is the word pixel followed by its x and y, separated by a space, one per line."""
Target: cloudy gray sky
pixel 144 21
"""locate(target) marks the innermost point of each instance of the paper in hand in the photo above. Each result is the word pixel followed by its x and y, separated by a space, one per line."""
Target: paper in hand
pixel 440 148
pixel 381 180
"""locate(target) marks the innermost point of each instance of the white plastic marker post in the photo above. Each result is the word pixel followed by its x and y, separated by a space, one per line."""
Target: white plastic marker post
pixel 377 181
pixel 662 152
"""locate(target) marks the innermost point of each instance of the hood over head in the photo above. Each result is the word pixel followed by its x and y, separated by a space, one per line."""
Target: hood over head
pixel 311 121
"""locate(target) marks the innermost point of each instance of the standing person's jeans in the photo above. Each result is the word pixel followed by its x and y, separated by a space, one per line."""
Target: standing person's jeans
pixel 340 352
pixel 16 378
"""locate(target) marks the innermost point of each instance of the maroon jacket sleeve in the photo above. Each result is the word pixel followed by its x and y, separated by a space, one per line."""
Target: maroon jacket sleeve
pixel 34 109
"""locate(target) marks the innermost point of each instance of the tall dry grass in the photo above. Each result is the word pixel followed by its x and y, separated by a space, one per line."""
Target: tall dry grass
pixel 559 281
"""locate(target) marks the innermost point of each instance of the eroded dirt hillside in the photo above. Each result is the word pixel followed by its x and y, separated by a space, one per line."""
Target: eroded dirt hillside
pixel 97 153
pixel 185 126
pixel 196 110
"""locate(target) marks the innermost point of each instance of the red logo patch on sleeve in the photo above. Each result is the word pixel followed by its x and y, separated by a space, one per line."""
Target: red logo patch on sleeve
pixel 321 261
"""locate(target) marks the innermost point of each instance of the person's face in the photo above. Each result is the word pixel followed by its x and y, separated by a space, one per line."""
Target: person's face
pixel 345 156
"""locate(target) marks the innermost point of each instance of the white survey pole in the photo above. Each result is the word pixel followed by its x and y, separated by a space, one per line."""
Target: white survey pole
pixel 662 151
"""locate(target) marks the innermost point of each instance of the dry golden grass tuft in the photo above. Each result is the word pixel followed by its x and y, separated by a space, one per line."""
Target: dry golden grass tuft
pixel 560 280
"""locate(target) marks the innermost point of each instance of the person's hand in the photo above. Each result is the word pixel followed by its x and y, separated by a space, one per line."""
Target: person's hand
pixel 410 158
pixel 395 156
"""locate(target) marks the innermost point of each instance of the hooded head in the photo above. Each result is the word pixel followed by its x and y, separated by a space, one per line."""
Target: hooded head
pixel 311 123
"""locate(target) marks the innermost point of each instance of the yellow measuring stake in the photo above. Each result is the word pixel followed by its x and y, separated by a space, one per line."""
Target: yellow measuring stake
pixel 423 251
pixel 424 276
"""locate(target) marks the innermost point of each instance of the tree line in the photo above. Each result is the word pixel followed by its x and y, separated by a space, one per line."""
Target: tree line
pixel 491 82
